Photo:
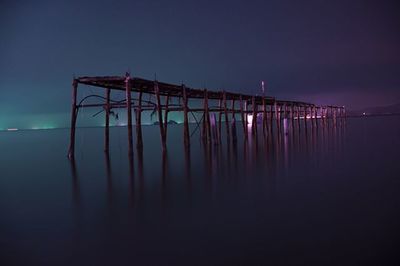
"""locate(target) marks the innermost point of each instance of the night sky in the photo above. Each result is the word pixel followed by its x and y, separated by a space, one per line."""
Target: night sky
pixel 328 52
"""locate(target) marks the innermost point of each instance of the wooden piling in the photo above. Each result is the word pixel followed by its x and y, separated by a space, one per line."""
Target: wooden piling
pixel 271 118
pixel 246 118
pixel 254 121
pixel 277 117
pixel 327 116
pixel 214 130
pixel 128 87
pixel 298 115
pixel 226 116
pixel 312 116
pixel 284 111
pixel 186 136
pixel 220 120
pixel 166 111
pixel 107 124
pixel 208 122
pixel 334 115
pixel 71 150
pixel 233 123
pixel 159 111
pixel 321 113
pixel 206 119
pixel 242 117
pixel 139 140
pixel 292 113
pixel 264 117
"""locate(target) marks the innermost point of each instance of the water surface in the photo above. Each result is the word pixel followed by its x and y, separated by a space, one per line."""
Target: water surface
pixel 321 195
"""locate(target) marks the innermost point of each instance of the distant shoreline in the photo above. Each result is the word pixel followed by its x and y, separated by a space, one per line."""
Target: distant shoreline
pixel 371 115
pixel 55 128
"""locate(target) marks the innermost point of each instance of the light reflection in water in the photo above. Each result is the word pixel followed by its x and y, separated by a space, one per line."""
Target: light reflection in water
pixel 219 204
pixel 265 154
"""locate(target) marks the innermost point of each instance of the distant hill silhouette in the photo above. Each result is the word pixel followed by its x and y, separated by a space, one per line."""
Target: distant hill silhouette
pixel 377 110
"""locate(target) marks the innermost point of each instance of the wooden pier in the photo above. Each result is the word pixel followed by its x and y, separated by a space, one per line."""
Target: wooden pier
pixel 227 104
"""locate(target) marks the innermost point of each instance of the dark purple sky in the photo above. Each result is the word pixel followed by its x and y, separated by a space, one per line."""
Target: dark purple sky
pixel 332 52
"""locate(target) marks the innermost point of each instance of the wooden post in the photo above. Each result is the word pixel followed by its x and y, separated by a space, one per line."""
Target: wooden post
pixel 186 136
pixel 277 116
pixel 220 120
pixel 233 128
pixel 322 116
pixel 233 109
pixel 159 111
pixel 207 124
pixel 298 115
pixel 214 130
pixel 271 118
pixel 139 140
pixel 264 120
pixel 321 112
pixel 327 116
pixel 329 112
pixel 242 116
pixel 128 87
pixel 71 150
pixel 284 111
pixel 204 126
pixel 267 126
pixel 166 117
pixel 292 112
pixel 246 118
pixel 107 126
pixel 311 116
pixel 334 115
pixel 254 121
pixel 226 117
pixel 305 117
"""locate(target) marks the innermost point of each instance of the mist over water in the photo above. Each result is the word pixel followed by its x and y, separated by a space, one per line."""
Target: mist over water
pixel 325 195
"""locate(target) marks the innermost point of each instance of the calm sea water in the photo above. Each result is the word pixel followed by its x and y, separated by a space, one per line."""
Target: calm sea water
pixel 322 196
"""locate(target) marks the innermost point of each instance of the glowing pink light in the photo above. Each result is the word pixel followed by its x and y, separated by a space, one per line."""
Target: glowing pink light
pixel 249 119
pixel 12 129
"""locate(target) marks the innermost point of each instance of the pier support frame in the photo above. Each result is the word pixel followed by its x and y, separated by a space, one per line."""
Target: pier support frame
pixel 139 140
pixel 166 111
pixel 160 118
pixel 74 112
pixel 107 123
pixel 282 109
pixel 128 90
pixel 242 116
pixel 186 137
pixel 255 111
pixel 226 117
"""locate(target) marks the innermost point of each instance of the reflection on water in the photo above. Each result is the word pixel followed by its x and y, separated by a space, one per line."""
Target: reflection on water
pixel 75 181
pixel 310 192
pixel 267 154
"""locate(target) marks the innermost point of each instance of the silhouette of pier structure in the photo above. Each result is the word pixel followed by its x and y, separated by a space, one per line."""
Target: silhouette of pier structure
pixel 251 109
